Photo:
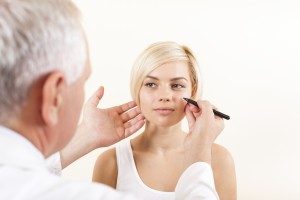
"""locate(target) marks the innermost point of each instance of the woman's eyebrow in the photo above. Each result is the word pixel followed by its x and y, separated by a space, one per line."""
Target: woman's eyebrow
pixel 152 77
pixel 178 78
pixel 172 79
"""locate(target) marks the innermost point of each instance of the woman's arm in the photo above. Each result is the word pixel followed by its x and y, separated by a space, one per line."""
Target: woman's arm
pixel 224 173
pixel 106 168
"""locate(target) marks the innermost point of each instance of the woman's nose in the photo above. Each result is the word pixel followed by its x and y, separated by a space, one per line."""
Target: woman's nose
pixel 165 95
pixel 164 99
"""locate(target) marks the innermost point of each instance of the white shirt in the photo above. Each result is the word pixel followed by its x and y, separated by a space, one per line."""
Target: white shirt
pixel 128 179
pixel 24 175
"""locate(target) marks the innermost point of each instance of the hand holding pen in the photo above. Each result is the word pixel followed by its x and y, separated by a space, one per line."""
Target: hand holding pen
pixel 204 128
pixel 218 113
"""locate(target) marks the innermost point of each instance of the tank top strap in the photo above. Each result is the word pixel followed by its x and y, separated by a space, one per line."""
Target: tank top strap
pixel 128 178
pixel 125 163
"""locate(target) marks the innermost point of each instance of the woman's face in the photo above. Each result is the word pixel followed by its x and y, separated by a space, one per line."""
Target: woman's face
pixel 162 92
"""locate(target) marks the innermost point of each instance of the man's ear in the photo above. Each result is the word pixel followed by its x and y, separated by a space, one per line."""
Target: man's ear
pixel 53 92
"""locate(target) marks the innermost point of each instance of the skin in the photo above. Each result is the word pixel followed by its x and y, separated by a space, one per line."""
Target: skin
pixel 159 152
pixel 101 127
pixel 49 118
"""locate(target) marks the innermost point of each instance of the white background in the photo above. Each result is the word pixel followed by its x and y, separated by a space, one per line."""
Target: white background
pixel 249 55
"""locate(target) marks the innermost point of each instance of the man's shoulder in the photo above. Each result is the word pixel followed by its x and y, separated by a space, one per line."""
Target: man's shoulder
pixel 41 184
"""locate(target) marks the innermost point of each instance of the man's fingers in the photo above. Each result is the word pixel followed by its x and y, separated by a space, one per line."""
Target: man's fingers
pixel 193 108
pixel 190 117
pixel 96 97
pixel 206 108
pixel 134 121
pixel 134 127
pixel 127 116
pixel 125 107
pixel 214 107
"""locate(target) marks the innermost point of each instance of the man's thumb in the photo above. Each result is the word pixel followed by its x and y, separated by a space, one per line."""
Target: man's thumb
pixel 96 97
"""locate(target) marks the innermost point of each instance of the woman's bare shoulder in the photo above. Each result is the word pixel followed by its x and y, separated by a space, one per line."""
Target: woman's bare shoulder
pixel 220 154
pixel 224 172
pixel 106 168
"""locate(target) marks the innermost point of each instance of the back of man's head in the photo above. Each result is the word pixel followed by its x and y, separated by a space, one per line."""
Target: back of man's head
pixel 37 37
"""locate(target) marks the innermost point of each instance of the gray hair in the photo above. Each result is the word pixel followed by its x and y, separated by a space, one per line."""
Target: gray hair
pixel 37 37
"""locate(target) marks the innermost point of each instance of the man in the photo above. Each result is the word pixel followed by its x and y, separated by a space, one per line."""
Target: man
pixel 44 63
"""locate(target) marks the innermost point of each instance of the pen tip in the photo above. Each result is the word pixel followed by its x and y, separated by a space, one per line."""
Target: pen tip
pixel 185 98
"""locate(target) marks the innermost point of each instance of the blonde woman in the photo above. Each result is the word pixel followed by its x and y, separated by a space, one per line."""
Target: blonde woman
pixel 150 165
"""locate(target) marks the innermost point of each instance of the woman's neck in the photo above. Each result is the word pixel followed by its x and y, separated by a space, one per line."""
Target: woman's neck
pixel 161 139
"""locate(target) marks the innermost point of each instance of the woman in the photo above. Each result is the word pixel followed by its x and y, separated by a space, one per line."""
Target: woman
pixel 149 165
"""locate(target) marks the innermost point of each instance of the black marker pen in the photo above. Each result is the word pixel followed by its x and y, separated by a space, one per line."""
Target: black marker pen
pixel 219 114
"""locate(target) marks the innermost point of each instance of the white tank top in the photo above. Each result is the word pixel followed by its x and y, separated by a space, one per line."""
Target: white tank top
pixel 128 177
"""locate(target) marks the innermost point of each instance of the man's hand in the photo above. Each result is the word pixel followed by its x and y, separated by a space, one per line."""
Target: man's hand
pixel 108 126
pixel 204 128
pixel 101 127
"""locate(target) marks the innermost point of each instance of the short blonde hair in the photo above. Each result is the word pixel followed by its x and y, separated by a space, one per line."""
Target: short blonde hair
pixel 158 54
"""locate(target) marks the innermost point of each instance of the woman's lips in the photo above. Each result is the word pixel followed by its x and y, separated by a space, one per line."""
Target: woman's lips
pixel 164 111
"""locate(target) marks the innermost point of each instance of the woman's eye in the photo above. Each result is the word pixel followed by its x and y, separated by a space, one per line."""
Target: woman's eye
pixel 177 86
pixel 150 84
